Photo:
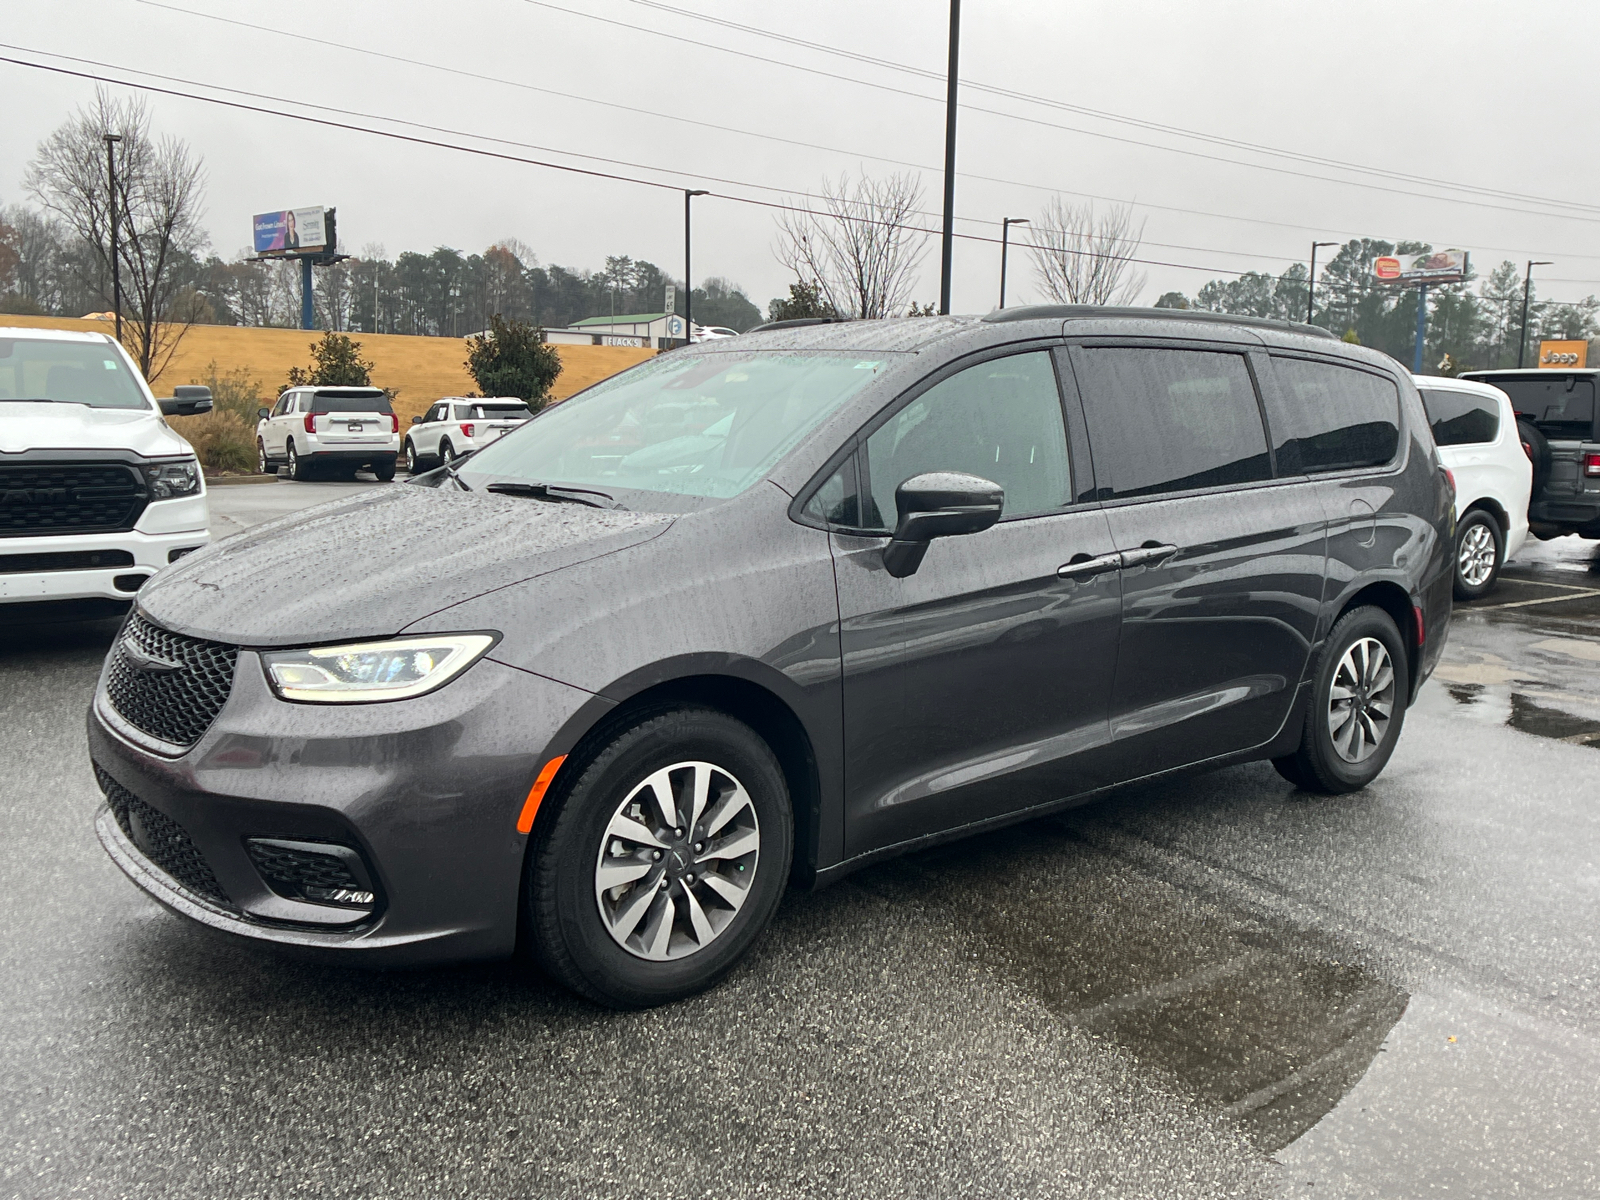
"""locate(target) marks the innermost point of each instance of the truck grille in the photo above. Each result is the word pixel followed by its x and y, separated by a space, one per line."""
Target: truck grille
pixel 38 499
pixel 162 840
pixel 166 684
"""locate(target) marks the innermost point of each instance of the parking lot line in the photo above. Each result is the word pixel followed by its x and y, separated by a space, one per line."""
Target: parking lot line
pixel 1578 595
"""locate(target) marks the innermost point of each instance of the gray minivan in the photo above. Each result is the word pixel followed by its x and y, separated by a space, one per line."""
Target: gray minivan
pixel 764 610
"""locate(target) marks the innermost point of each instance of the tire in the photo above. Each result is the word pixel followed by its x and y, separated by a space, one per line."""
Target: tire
pixel 263 463
pixel 383 468
pixel 413 459
pixel 447 453
pixel 1537 448
pixel 1323 765
pixel 607 944
pixel 299 469
pixel 1480 551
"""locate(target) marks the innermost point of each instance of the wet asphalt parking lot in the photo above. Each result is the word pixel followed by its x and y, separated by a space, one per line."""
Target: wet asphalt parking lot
pixel 1210 987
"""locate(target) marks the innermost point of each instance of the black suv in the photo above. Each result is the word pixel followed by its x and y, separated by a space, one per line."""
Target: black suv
pixel 768 609
pixel 1556 417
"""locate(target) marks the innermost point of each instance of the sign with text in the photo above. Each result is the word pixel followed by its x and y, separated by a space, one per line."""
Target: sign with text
pixel 672 299
pixel 1558 354
pixel 291 231
pixel 1437 266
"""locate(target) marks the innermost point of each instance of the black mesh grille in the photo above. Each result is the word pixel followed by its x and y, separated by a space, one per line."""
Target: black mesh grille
pixel 169 685
pixel 163 841
pixel 300 871
pixel 64 560
pixel 44 498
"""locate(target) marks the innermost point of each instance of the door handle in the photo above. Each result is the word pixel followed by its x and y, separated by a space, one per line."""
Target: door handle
pixel 1150 554
pixel 1083 566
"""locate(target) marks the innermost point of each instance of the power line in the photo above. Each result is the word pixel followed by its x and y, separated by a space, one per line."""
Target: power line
pixel 1103 114
pixel 463 73
pixel 1067 128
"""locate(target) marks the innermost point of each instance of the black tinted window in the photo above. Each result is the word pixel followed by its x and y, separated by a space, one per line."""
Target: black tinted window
pixel 1000 420
pixel 1170 420
pixel 1331 418
pixel 834 503
pixel 1561 406
pixel 1460 418
pixel 373 402
pixel 501 412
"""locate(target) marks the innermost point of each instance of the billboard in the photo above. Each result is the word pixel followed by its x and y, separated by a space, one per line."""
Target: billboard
pixel 1439 266
pixel 1563 354
pixel 291 231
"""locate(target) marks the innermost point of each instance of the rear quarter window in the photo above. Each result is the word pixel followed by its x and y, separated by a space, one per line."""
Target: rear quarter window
pixel 1460 418
pixel 1330 417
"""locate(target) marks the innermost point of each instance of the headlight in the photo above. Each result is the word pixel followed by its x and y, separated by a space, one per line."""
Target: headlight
pixel 369 671
pixel 172 479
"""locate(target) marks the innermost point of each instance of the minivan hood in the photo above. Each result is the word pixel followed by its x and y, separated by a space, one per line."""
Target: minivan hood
pixel 371 564
pixel 79 427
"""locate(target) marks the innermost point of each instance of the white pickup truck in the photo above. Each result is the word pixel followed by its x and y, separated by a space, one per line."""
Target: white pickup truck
pixel 97 493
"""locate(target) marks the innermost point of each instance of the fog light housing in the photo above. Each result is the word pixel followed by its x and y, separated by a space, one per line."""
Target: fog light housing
pixel 313 872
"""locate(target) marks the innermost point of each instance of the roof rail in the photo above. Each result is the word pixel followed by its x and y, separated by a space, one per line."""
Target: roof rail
pixel 1090 312
pixel 796 322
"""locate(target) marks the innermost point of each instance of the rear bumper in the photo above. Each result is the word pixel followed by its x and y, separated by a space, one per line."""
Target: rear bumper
pixel 427 792
pixel 151 552
pixel 1570 514
pixel 346 455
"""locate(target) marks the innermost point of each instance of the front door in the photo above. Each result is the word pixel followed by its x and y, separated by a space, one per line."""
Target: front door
pixel 978 685
pixel 1222 561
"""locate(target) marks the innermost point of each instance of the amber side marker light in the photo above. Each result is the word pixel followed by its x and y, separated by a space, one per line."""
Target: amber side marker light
pixel 541 785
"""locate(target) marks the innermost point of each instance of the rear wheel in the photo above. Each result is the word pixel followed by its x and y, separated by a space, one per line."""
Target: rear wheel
pixel 383 468
pixel 1480 548
pixel 663 860
pixel 1358 705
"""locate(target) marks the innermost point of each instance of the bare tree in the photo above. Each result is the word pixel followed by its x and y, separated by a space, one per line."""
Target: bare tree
pixel 858 244
pixel 160 186
pixel 1085 257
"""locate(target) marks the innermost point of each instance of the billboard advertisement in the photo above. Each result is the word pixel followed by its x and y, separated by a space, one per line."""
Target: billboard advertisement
pixel 1558 354
pixel 291 231
pixel 1439 266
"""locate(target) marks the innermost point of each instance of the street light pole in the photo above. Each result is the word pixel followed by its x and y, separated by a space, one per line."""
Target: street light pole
pixel 688 280
pixel 1527 287
pixel 1311 279
pixel 1005 237
pixel 947 245
pixel 111 139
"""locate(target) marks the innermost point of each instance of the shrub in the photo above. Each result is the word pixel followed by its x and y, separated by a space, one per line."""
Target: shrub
pixel 237 392
pixel 223 440
pixel 511 359
pixel 335 362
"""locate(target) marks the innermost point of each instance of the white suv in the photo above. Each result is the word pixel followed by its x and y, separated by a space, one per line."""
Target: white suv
pixel 313 430
pixel 458 425
pixel 1476 431
pixel 97 493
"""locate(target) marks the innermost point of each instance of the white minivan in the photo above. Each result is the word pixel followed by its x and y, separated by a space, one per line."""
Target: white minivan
pixel 97 493
pixel 1475 428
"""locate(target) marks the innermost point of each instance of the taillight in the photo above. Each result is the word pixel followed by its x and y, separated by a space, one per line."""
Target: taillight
pixel 1416 611
pixel 1591 464
pixel 394 423
pixel 1451 476
pixel 467 429
pixel 311 422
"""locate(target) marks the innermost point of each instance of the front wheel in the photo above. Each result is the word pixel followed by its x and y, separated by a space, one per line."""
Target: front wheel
pixel 1480 548
pixel 1358 705
pixel 413 461
pixel 447 454
pixel 263 463
pixel 298 470
pixel 662 861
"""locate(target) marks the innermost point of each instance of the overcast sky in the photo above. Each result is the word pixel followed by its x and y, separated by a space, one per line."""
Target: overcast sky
pixel 1488 94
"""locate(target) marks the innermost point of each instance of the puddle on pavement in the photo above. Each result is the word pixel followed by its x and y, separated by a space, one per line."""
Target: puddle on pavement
pixel 1529 716
pixel 1258 1022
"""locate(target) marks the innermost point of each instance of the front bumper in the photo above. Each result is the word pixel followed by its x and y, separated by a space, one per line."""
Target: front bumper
pixel 151 552
pixel 426 791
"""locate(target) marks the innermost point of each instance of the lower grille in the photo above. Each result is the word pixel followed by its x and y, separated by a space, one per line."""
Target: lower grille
pixel 167 684
pixel 318 872
pixel 38 498
pixel 163 841
pixel 63 560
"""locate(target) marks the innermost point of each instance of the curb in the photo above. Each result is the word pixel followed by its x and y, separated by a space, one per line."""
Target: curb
pixel 229 480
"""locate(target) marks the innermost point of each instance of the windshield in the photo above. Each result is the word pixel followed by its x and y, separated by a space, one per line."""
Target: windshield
pixel 89 373
pixel 705 426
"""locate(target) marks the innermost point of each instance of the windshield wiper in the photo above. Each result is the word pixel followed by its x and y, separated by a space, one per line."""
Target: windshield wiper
pixel 548 491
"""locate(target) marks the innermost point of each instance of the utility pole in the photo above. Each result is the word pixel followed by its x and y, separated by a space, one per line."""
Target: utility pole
pixel 111 139
pixel 947 245
pixel 1527 287
pixel 1422 328
pixel 688 280
pixel 1005 235
pixel 1311 279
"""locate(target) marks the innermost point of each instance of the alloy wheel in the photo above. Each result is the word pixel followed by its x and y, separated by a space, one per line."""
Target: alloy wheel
pixel 262 464
pixel 677 861
pixel 1475 558
pixel 411 459
pixel 1361 700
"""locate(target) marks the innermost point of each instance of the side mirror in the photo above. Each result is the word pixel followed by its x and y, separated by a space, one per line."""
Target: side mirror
pixel 263 413
pixel 187 401
pixel 416 420
pixel 938 504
